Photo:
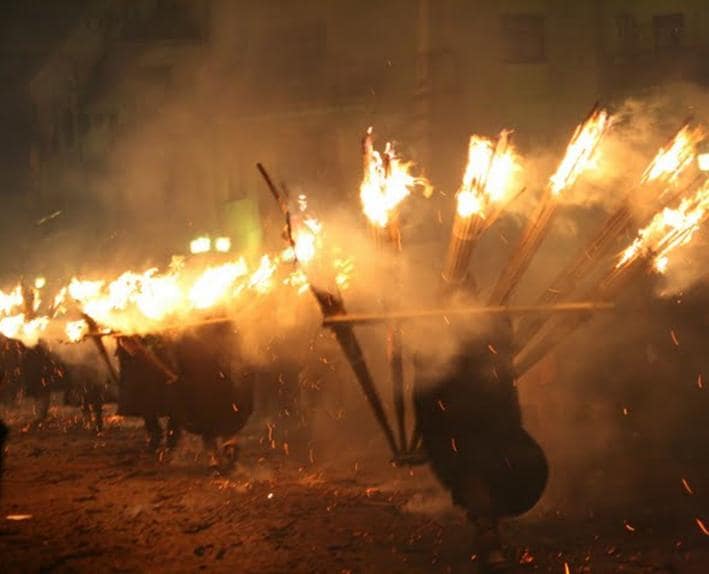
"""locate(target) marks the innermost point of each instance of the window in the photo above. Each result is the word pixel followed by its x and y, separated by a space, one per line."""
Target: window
pixel 627 32
pixel 523 38
pixel 669 31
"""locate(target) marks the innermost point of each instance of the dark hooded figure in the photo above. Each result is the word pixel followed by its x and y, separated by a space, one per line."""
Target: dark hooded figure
pixel 144 389
pixel 4 431
pixel 11 353
pixel 210 397
pixel 471 427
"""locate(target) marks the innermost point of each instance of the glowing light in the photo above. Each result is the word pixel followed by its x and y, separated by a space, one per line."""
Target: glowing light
pixel 675 157
pixel 669 229
pixel 703 161
pixel 201 244
pixel 579 153
pixel 488 174
pixel 386 183
pixel 222 244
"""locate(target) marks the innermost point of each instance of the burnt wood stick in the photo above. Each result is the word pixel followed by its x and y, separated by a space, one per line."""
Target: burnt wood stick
pixel 134 346
pixel 98 341
pixel 344 334
pixel 527 247
pixel 554 333
pixel 331 305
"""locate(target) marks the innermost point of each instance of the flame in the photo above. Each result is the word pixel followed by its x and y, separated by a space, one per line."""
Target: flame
pixel 669 229
pixel 215 283
pixel 386 183
pixel 140 302
pixel 39 282
pixel 11 300
pixel 27 331
pixel 580 151
pixel 488 174
pixel 306 238
pixel 703 161
pixel 76 330
pixel 262 279
pixel 675 157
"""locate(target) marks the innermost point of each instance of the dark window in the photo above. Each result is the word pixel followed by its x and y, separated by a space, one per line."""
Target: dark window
pixel 627 30
pixel 669 31
pixel 523 38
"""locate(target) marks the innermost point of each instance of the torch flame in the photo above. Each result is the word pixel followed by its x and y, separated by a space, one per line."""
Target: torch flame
pixel 386 183
pixel 76 330
pixel 488 174
pixel 214 284
pixel 580 151
pixel 669 229
pixel 675 157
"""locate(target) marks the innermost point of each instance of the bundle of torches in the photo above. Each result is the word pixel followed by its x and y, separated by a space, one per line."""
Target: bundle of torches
pixel 192 289
pixel 195 287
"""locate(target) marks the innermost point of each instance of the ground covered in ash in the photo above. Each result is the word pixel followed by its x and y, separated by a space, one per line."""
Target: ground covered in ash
pixel 76 502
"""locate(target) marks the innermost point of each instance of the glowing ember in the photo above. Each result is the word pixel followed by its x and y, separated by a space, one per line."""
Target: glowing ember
pixel 386 183
pixel 702 527
pixel 488 174
pixel 39 282
pixel 579 153
pixel 668 230
pixel 200 245
pixel 672 159
pixel 687 487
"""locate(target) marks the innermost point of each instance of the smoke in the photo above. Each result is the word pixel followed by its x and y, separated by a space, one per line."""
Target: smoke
pixel 189 145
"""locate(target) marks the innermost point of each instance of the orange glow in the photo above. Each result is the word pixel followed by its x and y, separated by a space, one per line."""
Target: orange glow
pixel 387 181
pixel 669 229
pixel 672 159
pixel 580 151
pixel 489 174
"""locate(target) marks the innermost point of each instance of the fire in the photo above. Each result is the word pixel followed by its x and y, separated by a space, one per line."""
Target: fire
pixel 76 330
pixel 261 280
pixel 675 157
pixel 386 183
pixel 306 239
pixel 215 284
pixel 20 328
pixel 11 300
pixel 669 229
pixel 488 174
pixel 580 151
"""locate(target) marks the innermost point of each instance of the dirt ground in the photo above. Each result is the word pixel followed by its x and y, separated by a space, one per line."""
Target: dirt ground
pixel 103 504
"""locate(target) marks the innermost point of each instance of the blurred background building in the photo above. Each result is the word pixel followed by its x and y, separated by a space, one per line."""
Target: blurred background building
pixel 189 94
